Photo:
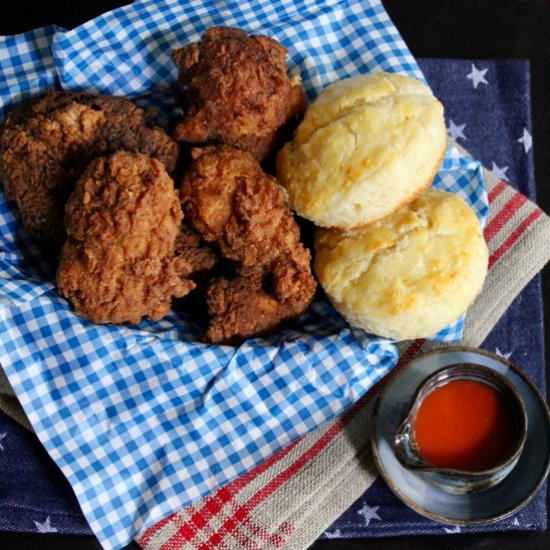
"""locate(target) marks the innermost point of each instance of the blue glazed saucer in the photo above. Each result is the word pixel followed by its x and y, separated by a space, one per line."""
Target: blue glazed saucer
pixel 477 508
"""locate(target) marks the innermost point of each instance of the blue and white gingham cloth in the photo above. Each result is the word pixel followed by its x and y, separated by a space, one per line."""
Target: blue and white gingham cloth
pixel 27 66
pixel 144 420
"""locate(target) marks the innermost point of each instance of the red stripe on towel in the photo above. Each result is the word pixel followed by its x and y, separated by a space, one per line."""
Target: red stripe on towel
pixel 514 236
pixel 496 191
pixel 504 216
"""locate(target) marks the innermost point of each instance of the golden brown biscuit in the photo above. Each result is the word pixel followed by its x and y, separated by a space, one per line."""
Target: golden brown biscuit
pixel 410 274
pixel 367 146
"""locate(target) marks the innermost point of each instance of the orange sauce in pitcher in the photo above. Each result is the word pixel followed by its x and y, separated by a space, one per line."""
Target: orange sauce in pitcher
pixel 465 425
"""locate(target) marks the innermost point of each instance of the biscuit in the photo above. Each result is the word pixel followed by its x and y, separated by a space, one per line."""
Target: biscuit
pixel 408 275
pixel 367 146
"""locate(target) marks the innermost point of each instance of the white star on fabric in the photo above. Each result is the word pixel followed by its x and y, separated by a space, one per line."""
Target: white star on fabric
pixel 453 530
pixel 500 172
pixel 502 354
pixel 369 513
pixel 527 140
pixel 455 131
pixel 515 522
pixel 2 437
pixel 477 76
pixel 45 527
pixel 334 535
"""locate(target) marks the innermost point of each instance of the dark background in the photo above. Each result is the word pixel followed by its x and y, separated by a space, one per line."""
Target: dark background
pixel 461 29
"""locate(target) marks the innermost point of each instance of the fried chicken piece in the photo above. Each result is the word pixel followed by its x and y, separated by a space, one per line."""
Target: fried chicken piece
pixel 230 201
pixel 118 263
pixel 237 92
pixel 195 255
pixel 47 144
pixel 259 301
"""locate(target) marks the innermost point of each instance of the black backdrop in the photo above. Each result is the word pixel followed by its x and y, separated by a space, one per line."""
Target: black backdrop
pixel 462 29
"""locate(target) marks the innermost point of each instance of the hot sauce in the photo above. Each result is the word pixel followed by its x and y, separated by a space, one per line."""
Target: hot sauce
pixel 465 425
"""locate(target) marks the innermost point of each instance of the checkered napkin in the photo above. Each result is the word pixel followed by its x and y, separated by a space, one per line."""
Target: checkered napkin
pixel 143 421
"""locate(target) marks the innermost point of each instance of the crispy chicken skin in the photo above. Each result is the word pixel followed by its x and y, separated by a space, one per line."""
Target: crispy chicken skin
pixel 194 254
pixel 231 202
pixel 47 144
pixel 118 263
pixel 258 302
pixel 237 92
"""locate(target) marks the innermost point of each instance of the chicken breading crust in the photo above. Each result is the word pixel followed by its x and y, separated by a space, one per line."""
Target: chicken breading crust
pixel 118 263
pixel 46 145
pixel 231 202
pixel 237 91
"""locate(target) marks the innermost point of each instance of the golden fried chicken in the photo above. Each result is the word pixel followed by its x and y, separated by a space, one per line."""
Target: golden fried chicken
pixel 237 92
pixel 259 301
pixel 118 263
pixel 194 254
pixel 47 144
pixel 231 202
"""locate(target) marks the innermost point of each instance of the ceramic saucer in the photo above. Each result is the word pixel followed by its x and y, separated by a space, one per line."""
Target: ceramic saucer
pixel 486 506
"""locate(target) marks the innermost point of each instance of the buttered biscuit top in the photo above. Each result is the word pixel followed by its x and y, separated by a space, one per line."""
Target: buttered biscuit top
pixel 367 146
pixel 410 274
